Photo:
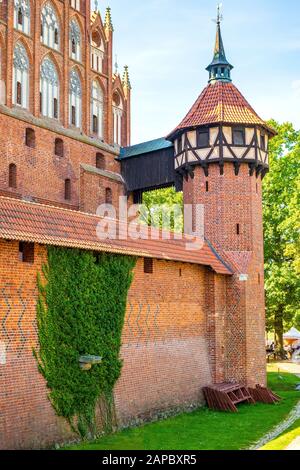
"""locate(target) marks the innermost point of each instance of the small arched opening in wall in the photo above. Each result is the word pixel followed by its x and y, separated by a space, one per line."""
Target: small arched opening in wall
pixel 12 176
pixel 67 189
pixel 59 147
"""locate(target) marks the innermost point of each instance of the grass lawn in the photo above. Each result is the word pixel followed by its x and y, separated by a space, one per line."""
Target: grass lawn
pixel 205 429
pixel 282 441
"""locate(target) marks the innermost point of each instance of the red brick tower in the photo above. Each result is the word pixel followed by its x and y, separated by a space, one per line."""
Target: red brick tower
pixel 221 149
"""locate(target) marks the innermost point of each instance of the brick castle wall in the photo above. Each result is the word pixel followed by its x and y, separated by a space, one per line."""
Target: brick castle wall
pixel 165 348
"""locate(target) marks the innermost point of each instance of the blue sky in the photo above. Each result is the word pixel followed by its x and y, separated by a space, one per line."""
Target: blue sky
pixel 168 43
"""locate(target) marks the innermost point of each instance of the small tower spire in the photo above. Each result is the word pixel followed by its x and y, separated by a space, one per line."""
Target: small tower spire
pixel 96 6
pixel 108 22
pixel 126 79
pixel 219 69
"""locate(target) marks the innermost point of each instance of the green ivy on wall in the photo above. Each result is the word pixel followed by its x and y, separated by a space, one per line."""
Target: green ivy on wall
pixel 80 311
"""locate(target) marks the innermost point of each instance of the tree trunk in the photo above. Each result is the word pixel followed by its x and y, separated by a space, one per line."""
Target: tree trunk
pixel 278 326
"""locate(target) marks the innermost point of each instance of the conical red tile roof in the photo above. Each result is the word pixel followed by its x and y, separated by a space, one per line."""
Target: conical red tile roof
pixel 220 102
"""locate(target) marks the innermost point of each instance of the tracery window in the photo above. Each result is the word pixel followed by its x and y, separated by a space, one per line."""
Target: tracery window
pixel 97 108
pixel 75 94
pixel 20 76
pixel 75 40
pixel 50 35
pixel 49 89
pixel 22 15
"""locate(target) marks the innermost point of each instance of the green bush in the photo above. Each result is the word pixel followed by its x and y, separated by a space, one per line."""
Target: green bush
pixel 80 311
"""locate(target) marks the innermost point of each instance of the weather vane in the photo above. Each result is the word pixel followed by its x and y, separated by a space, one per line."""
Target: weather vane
pixel 219 14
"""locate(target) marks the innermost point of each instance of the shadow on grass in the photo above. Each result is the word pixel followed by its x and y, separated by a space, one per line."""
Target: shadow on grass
pixel 204 429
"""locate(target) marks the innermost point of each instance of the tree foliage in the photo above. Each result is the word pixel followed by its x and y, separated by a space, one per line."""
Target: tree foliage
pixel 281 230
pixel 80 311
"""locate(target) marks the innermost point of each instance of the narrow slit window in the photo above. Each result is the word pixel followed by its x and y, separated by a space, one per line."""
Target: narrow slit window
pixel 148 265
pixel 73 116
pixel 73 46
pixel 95 124
pixel 238 229
pixel 20 17
pixel 26 252
pixel 55 108
pixel 19 93
pixel 30 138
pixel 59 147
pixel 12 176
pixel 108 196
pixel 263 142
pixel 207 186
pixel 67 189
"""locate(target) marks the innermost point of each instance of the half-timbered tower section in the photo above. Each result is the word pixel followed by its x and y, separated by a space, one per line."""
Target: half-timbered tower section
pixel 64 112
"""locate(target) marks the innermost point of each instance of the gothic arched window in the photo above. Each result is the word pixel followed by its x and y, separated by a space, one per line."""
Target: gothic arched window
pixel 117 114
pixel 97 52
pixel 50 34
pixel 97 109
pixel 75 94
pixel 22 15
pixel 75 40
pixel 49 89
pixel 20 76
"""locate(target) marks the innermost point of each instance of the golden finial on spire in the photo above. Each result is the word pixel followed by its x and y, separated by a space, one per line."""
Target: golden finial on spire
pixel 126 79
pixel 108 23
